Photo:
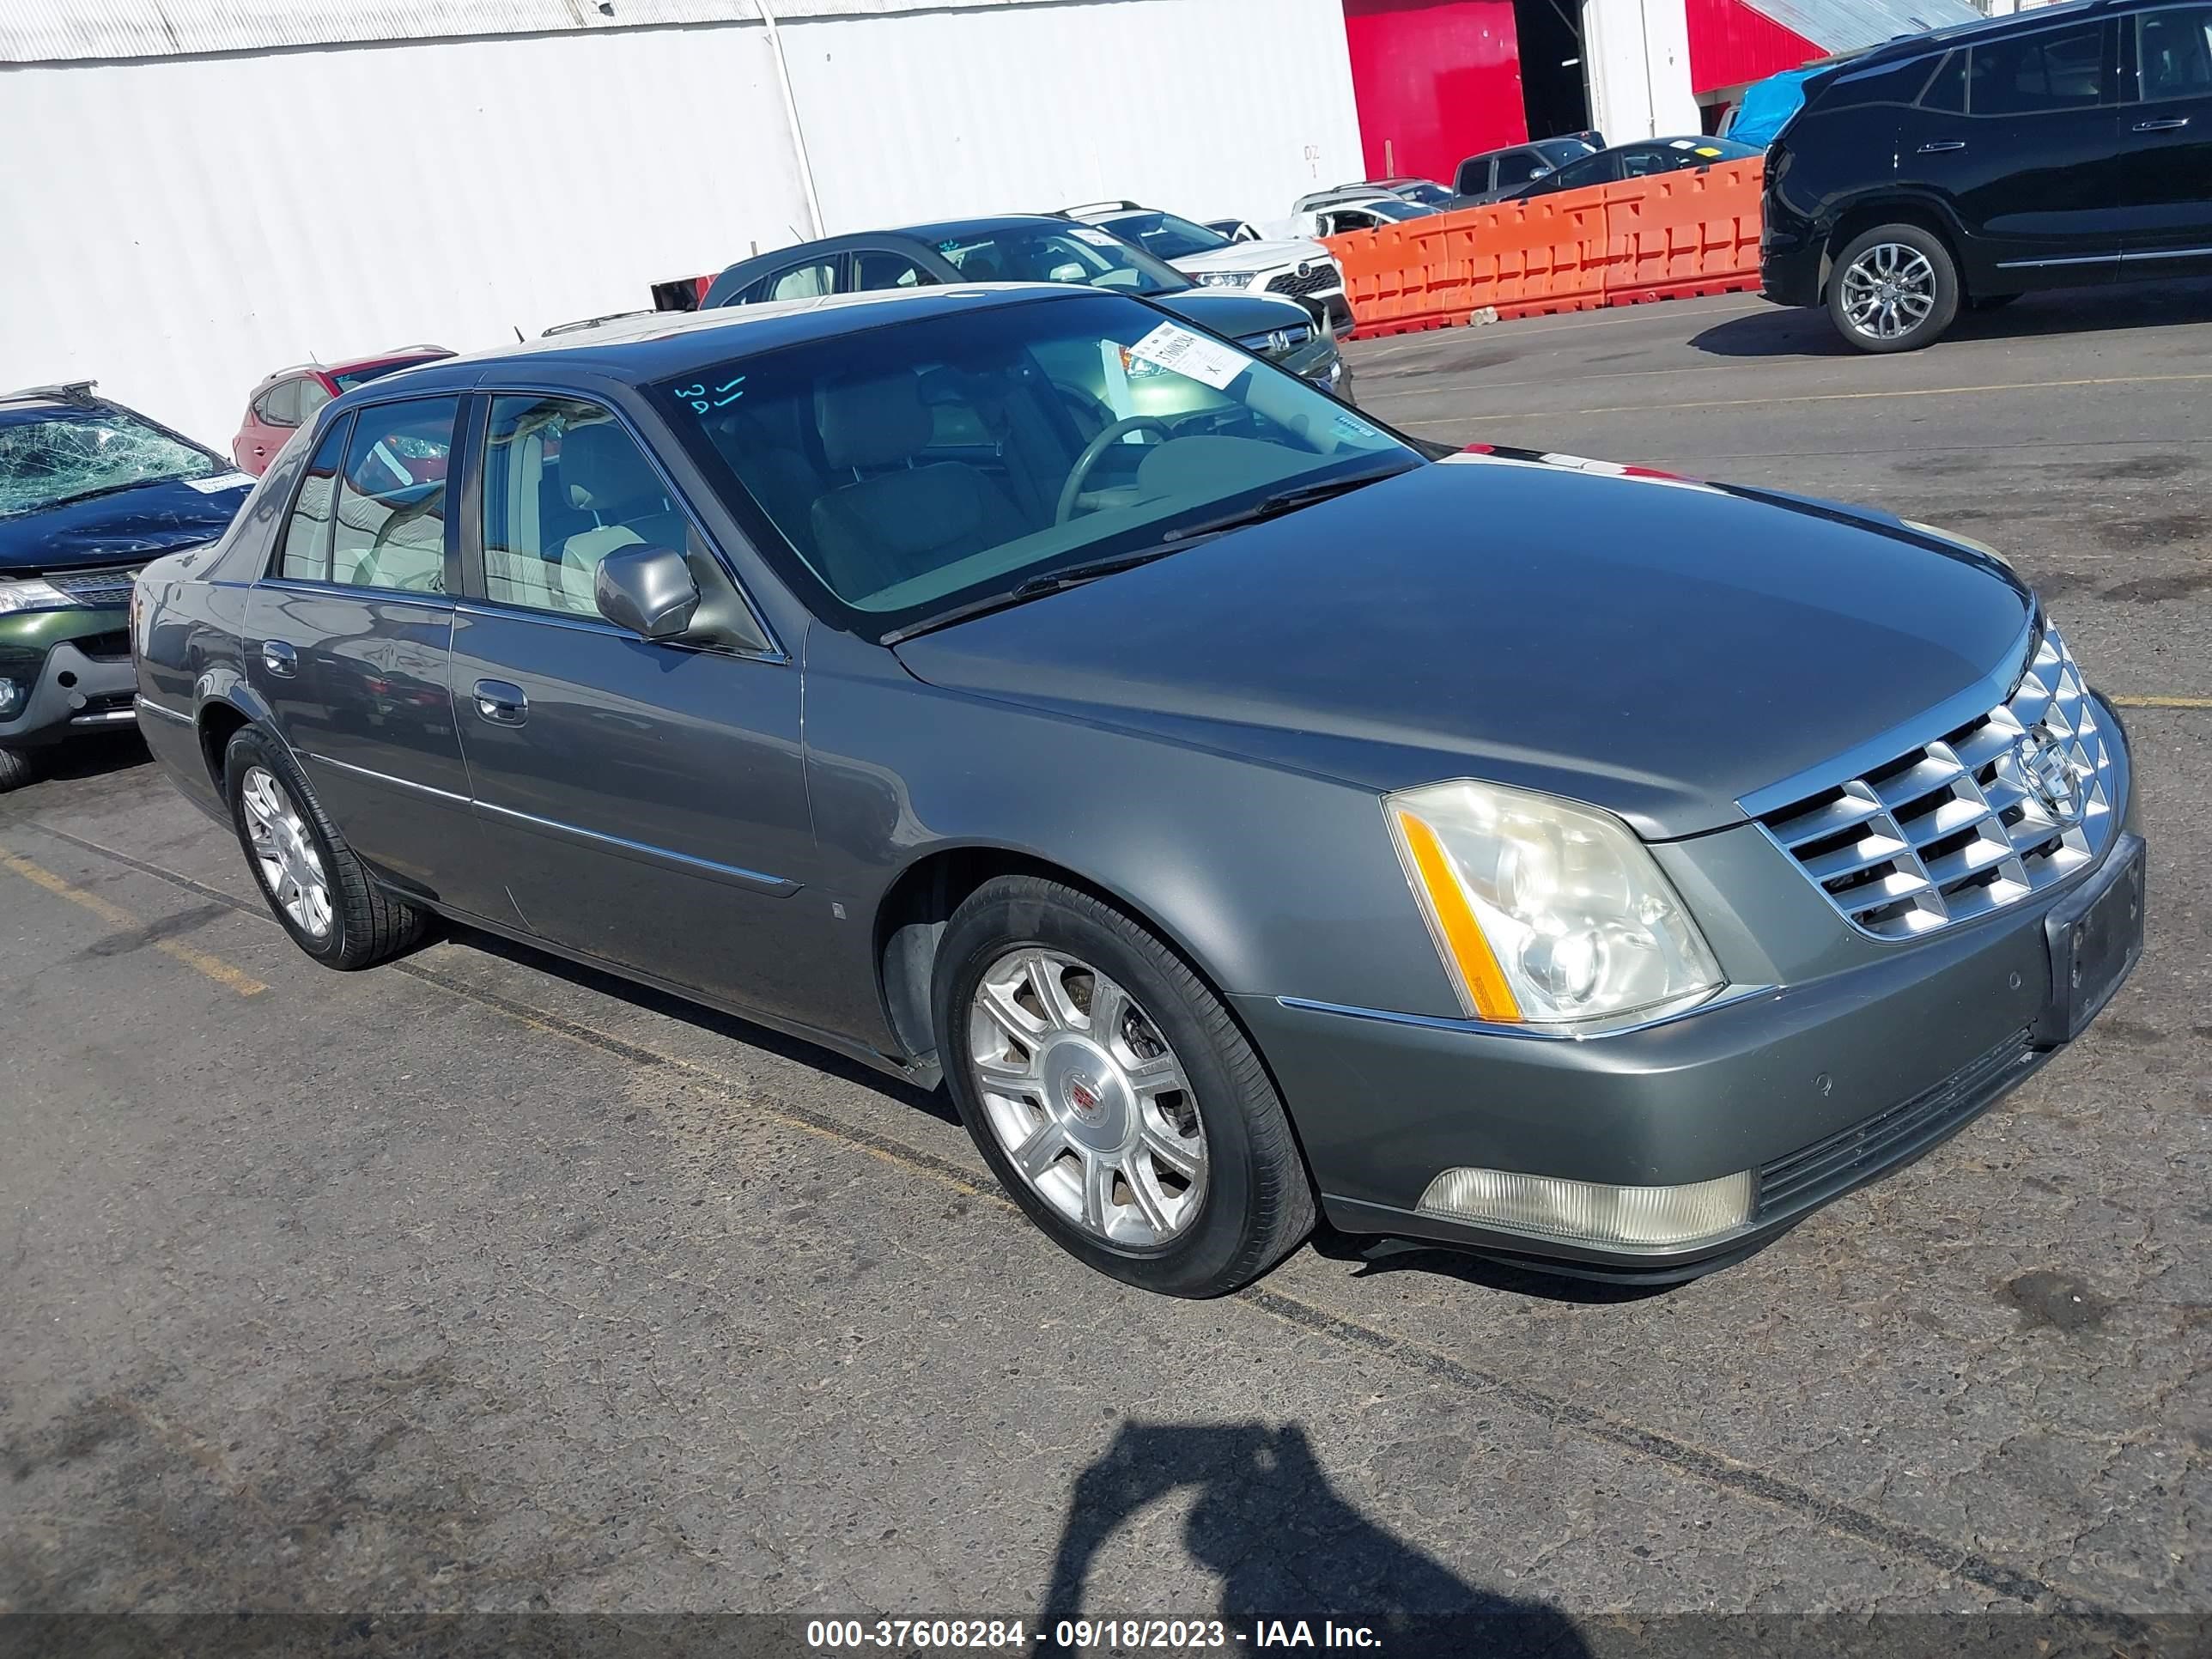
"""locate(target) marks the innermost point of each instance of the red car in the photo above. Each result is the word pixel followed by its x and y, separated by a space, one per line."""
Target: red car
pixel 287 399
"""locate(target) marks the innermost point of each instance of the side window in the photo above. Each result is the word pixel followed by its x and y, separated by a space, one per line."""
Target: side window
pixel 1517 166
pixel 280 404
pixel 2173 53
pixel 564 485
pixel 312 398
pixel 2034 74
pixel 306 552
pixel 891 270
pixel 390 529
pixel 1947 93
pixel 806 282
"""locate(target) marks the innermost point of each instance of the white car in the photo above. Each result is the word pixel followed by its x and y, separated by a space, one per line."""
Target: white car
pixel 1298 268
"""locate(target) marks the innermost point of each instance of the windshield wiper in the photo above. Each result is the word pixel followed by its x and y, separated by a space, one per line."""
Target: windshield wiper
pixel 1282 501
pixel 1036 587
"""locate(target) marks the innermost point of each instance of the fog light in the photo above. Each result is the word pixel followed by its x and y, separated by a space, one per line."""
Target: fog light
pixel 1632 1217
pixel 13 694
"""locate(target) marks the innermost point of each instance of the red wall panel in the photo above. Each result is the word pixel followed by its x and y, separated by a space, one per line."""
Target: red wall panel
pixel 1436 80
pixel 1730 44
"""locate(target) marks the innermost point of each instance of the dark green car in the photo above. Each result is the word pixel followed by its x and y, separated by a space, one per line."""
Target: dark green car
pixel 89 491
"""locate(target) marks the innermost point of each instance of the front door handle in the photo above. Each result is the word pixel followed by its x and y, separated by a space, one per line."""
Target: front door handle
pixel 500 703
pixel 279 659
pixel 1942 144
pixel 2170 124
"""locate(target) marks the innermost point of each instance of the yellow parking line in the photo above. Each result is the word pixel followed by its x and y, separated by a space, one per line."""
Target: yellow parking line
pixel 214 966
pixel 2164 702
pixel 1832 396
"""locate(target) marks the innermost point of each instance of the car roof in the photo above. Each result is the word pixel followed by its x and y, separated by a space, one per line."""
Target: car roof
pixel 1910 45
pixel 657 345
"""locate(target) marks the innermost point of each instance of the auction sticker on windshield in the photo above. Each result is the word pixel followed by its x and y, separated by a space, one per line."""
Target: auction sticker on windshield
pixel 221 481
pixel 1097 238
pixel 1193 355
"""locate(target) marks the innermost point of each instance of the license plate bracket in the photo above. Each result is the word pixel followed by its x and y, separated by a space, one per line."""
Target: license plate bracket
pixel 2096 937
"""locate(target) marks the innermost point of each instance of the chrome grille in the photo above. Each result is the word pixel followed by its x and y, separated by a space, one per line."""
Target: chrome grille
pixel 110 587
pixel 1277 342
pixel 1999 809
pixel 1320 278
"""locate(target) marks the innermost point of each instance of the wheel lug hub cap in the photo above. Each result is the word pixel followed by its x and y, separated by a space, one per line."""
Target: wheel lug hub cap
pixel 1092 1098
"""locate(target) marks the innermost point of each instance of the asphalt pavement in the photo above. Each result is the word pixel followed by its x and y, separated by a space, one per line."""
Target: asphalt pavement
pixel 481 1282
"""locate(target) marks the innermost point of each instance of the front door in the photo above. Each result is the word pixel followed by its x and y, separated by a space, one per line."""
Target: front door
pixel 646 802
pixel 347 641
pixel 2166 137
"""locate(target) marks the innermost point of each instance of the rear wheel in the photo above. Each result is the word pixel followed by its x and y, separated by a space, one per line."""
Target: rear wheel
pixel 15 769
pixel 318 889
pixel 1894 289
pixel 1112 1093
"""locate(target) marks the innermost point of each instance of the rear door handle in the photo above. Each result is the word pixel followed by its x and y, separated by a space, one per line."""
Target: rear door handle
pixel 500 703
pixel 2170 124
pixel 1942 144
pixel 279 659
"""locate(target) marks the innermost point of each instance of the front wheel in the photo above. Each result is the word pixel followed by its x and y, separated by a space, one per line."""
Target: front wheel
pixel 1113 1094
pixel 1894 288
pixel 15 769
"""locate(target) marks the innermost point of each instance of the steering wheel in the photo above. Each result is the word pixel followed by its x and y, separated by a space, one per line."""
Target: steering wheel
pixel 1094 452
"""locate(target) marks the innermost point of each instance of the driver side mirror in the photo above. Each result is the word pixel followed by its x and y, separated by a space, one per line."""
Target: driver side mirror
pixel 648 589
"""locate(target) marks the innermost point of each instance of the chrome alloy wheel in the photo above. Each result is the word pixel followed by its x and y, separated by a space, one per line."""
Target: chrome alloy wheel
pixel 1888 290
pixel 1086 1098
pixel 284 853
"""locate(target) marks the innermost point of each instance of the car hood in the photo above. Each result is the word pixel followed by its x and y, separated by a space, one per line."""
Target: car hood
pixel 1251 256
pixel 1658 648
pixel 122 528
pixel 1235 314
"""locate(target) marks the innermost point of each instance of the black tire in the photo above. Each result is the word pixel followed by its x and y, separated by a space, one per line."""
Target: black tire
pixel 1993 301
pixel 1943 285
pixel 368 925
pixel 15 769
pixel 1257 1203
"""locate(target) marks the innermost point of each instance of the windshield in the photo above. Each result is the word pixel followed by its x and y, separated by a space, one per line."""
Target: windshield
pixel 916 468
pixel 49 457
pixel 1428 194
pixel 1068 253
pixel 1395 208
pixel 1165 236
pixel 1560 151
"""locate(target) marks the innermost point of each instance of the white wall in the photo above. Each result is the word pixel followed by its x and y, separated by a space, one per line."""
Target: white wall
pixel 178 228
pixel 1207 108
pixel 1636 56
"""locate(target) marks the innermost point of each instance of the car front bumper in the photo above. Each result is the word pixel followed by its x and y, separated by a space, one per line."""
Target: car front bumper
pixel 1814 1090
pixel 71 674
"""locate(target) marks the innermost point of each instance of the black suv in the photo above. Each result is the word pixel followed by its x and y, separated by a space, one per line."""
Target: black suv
pixel 2065 145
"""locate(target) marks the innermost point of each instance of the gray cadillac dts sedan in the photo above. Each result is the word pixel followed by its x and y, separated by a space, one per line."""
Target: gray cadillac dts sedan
pixel 1247 812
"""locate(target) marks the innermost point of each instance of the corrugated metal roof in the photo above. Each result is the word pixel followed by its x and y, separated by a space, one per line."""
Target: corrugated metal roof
pixel 73 31
pixel 1853 25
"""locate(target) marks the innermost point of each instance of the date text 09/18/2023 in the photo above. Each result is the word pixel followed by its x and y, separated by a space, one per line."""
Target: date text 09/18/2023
pixel 1081 1634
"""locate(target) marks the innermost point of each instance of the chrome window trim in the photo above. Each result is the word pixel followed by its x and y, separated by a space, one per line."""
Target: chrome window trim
pixel 349 589
pixel 1724 998
pixel 495 610
pixel 774 886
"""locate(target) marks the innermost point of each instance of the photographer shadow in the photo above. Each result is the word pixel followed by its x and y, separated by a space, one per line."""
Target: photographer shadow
pixel 1285 1546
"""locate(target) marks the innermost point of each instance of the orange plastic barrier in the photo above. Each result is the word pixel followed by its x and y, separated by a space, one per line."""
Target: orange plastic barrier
pixel 1644 239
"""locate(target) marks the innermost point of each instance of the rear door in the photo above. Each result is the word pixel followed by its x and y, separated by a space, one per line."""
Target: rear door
pixel 645 802
pixel 2034 165
pixel 348 640
pixel 2166 137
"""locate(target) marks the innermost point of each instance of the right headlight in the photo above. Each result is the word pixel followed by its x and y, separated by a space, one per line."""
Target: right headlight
pixel 1225 278
pixel 1546 912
